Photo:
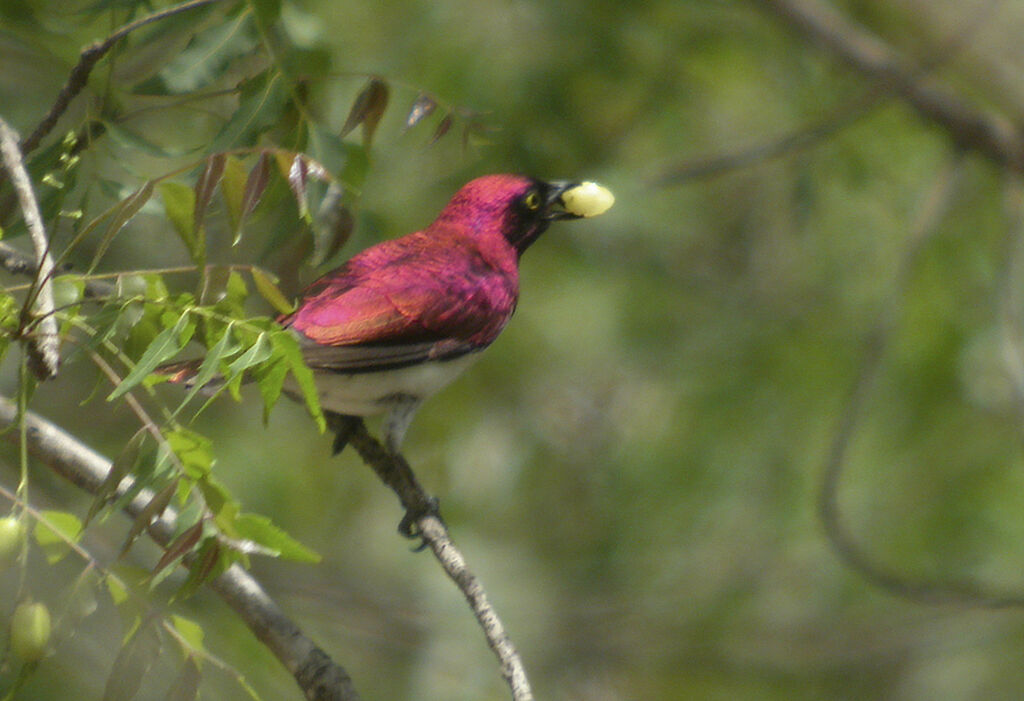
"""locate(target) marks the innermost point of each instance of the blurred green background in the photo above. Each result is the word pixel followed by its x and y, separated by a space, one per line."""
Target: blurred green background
pixel 633 469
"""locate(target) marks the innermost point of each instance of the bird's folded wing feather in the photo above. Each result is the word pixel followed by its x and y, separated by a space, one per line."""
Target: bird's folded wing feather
pixel 396 315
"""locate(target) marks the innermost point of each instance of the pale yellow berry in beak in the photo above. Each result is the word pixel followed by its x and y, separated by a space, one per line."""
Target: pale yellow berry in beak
pixel 588 199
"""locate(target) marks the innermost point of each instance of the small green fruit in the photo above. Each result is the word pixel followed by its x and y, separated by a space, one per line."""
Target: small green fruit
pixel 30 631
pixel 12 533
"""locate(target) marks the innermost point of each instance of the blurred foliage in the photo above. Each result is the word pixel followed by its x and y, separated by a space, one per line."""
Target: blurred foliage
pixel 633 469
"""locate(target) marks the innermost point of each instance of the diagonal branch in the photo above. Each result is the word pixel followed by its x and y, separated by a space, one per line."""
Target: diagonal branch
pixel 395 472
pixel 87 60
pixel 968 126
pixel 320 678
pixel 43 344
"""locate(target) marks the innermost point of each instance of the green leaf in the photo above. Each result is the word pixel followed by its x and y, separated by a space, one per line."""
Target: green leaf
pixel 270 379
pixel 123 464
pixel 224 348
pixel 117 589
pixel 260 106
pixel 149 513
pixel 288 346
pixel 259 351
pixel 267 11
pixel 232 188
pixel 166 345
pixel 186 686
pixel 132 663
pixel 263 532
pixel 54 531
pixel 194 451
pixel 190 631
pixel 267 288
pixel 180 205
pixel 121 214
pixel 220 503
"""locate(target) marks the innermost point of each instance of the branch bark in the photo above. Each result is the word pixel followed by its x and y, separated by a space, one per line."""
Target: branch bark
pixel 43 343
pixel 320 678
pixel 968 126
pixel 394 471
pixel 87 60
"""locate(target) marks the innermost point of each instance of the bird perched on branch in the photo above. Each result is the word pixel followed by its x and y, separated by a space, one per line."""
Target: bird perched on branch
pixel 403 318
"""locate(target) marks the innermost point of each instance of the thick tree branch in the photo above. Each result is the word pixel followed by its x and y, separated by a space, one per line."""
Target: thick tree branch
pixel 43 343
pixel 968 126
pixel 395 472
pixel 320 678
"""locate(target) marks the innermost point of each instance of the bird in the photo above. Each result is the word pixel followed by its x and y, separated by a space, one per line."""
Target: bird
pixel 403 318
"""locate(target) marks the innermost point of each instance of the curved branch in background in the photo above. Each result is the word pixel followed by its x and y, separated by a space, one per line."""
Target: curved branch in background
pixel 43 343
pixel 394 471
pixel 968 126
pixel 933 209
pixel 320 678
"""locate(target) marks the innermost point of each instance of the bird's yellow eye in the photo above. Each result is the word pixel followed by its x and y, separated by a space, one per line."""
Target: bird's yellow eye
pixel 532 200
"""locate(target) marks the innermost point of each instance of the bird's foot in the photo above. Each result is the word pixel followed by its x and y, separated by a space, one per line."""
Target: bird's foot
pixel 343 426
pixel 408 527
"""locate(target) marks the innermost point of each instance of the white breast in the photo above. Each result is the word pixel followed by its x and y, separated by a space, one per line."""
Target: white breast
pixel 369 393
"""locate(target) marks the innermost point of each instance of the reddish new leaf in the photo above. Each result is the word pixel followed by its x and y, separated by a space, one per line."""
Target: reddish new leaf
pixel 367 109
pixel 181 545
pixel 151 511
pixel 442 128
pixel 255 186
pixel 206 186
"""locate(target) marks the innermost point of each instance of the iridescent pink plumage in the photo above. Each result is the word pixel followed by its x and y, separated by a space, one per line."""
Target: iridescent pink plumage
pixel 403 318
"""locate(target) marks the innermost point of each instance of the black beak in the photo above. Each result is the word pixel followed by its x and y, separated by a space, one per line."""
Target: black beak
pixel 554 207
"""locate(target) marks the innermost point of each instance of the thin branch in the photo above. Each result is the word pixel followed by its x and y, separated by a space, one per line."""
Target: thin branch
pixel 90 56
pixel 933 210
pixel 395 472
pixel 319 677
pixel 809 135
pixel 801 138
pixel 969 127
pixel 43 344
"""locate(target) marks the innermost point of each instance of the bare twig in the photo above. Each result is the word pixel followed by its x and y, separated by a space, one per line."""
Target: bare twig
pixel 319 677
pixel 43 343
pixel 968 126
pixel 804 137
pixel 933 209
pixel 395 472
pixel 809 135
pixel 90 56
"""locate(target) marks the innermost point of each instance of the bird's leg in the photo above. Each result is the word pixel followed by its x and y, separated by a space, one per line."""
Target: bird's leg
pixel 401 409
pixel 343 425
pixel 393 470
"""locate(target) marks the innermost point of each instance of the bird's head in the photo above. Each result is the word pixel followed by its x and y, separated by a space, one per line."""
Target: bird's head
pixel 520 208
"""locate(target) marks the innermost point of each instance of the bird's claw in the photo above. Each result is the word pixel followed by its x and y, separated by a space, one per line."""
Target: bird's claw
pixel 408 527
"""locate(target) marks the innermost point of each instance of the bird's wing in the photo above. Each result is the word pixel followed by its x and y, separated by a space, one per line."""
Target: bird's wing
pixel 373 315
